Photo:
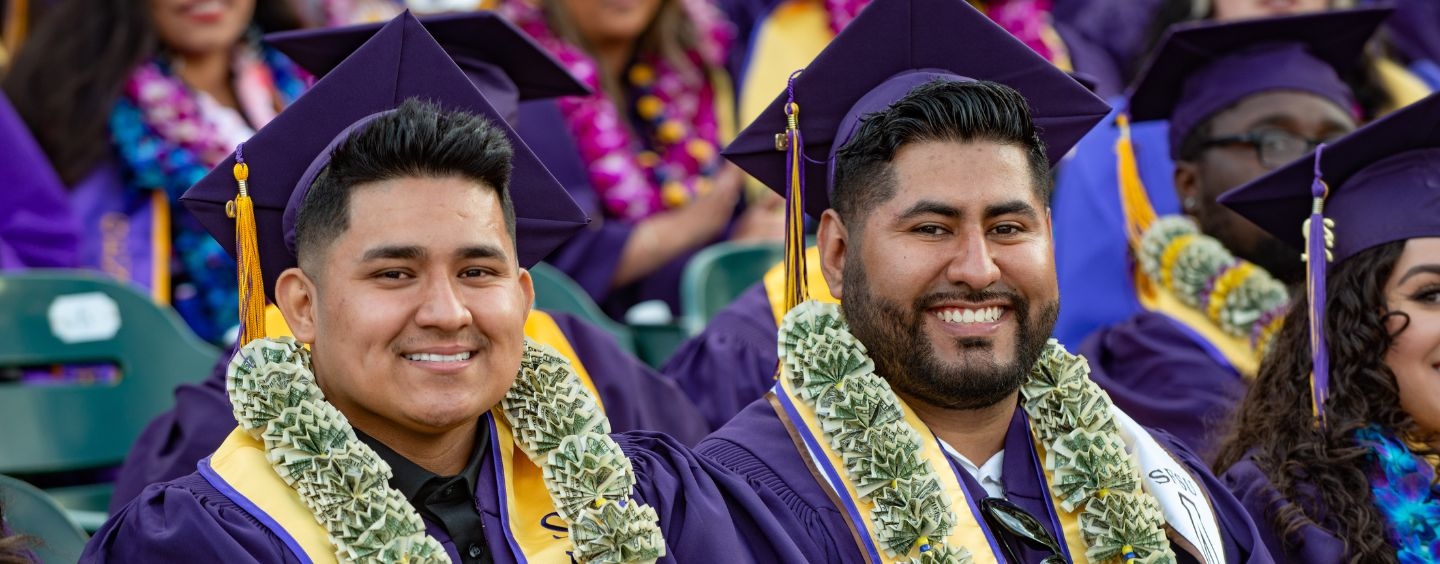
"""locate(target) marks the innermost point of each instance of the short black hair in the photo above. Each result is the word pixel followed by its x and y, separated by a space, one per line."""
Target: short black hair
pixel 940 110
pixel 419 139
pixel 1194 142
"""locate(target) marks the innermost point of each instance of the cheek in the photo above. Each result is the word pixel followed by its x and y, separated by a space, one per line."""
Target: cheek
pixel 1030 268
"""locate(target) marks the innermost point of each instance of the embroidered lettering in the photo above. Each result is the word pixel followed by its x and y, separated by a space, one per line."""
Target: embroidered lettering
pixel 114 256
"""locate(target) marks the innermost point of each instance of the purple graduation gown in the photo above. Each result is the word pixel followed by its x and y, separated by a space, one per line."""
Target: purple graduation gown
pixel 1259 496
pixel 1166 377
pixel 757 445
pixel 704 512
pixel 37 229
pixel 592 255
pixel 635 398
pixel 732 361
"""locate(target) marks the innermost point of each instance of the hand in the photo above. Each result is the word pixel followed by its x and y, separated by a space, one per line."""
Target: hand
pixel 763 220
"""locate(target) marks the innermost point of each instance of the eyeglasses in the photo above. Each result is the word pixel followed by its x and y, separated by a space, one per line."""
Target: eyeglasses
pixel 1003 516
pixel 1274 147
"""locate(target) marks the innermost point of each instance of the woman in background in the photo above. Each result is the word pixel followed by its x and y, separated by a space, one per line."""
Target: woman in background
pixel 132 101
pixel 647 140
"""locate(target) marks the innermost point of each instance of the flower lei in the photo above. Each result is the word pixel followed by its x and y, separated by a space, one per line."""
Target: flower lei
pixel 1403 486
pixel 842 12
pixel 345 483
pixel 634 177
pixel 165 143
pixel 1238 296
pixel 861 418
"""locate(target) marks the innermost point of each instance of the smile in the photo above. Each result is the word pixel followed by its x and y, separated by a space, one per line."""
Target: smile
pixel 968 315
pixel 426 357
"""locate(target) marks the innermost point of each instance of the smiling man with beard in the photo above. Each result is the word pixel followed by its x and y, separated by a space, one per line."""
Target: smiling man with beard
pixel 928 416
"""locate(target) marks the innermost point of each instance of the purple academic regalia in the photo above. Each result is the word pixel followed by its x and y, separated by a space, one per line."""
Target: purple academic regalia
pixel 1259 497
pixel 37 229
pixel 635 398
pixel 591 256
pixel 757 445
pixel 1166 377
pixel 732 362
pixel 704 512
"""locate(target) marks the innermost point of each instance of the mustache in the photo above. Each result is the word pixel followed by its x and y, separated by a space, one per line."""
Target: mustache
pixel 471 340
pixel 928 301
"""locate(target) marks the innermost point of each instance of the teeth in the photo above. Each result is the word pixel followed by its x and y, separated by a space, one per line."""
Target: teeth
pixel 426 357
pixel 982 315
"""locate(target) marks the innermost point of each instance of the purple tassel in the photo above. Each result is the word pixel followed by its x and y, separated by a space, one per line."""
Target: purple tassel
pixel 1317 255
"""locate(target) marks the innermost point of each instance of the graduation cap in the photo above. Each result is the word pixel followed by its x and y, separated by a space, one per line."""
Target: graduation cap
pixel 399 62
pixel 1379 184
pixel 502 61
pixel 1201 69
pixel 892 47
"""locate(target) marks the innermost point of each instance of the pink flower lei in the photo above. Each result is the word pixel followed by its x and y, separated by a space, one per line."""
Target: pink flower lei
pixel 635 177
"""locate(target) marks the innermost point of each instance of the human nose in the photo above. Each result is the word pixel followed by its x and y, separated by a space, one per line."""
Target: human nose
pixel 443 307
pixel 973 265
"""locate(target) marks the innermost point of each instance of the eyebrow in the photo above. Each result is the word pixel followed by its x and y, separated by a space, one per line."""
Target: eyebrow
pixel 1012 207
pixel 416 252
pixel 394 252
pixel 930 207
pixel 1421 269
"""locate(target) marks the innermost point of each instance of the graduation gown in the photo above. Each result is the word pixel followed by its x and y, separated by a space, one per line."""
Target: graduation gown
pixel 1092 261
pixel 1259 497
pixel 757 445
pixel 634 396
pixel 37 229
pixel 591 256
pixel 704 512
pixel 1166 377
pixel 732 361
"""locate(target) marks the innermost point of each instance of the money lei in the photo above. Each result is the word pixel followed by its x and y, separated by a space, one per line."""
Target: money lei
pixel 345 484
pixel 830 370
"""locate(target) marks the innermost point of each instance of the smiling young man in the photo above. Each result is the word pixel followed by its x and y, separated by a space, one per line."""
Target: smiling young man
pixel 926 416
pixel 507 67
pixel 417 422
pixel 1242 99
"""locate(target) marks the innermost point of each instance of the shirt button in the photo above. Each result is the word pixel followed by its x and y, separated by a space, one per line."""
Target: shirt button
pixel 475 551
pixel 449 491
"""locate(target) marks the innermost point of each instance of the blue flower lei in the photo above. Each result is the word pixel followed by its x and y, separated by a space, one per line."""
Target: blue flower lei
pixel 1403 486
pixel 202 273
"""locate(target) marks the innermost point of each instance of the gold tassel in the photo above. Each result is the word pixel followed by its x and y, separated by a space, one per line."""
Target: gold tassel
pixel 247 252
pixel 796 290
pixel 16 22
pixel 1134 201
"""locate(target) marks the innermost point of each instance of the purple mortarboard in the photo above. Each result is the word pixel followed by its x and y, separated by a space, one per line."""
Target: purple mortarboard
pixel 1379 184
pixel 502 61
pixel 1201 69
pixel 891 48
pixel 401 61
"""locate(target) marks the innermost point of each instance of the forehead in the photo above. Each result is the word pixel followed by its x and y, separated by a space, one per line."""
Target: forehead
pixel 1295 107
pixel 963 174
pixel 1419 251
pixel 428 211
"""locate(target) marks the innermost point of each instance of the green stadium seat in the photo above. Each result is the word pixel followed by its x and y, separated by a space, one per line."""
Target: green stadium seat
pixel 32 513
pixel 718 275
pixel 55 318
pixel 555 291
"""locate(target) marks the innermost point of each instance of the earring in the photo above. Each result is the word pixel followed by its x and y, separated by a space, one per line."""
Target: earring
pixel 1190 203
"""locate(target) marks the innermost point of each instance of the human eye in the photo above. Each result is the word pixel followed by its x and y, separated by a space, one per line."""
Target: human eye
pixel 476 272
pixel 930 229
pixel 1427 295
pixel 393 274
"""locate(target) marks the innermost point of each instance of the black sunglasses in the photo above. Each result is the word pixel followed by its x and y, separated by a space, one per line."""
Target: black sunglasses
pixel 1011 523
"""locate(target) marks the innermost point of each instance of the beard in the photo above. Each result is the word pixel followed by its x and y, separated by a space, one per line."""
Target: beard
pixel 905 357
pixel 1280 260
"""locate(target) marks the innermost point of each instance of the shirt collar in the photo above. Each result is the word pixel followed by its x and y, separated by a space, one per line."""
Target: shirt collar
pixel 410 478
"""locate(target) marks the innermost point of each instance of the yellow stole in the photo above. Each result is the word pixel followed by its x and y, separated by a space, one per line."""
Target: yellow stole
pixel 968 531
pixel 775 284
pixel 1235 350
pixel 239 469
